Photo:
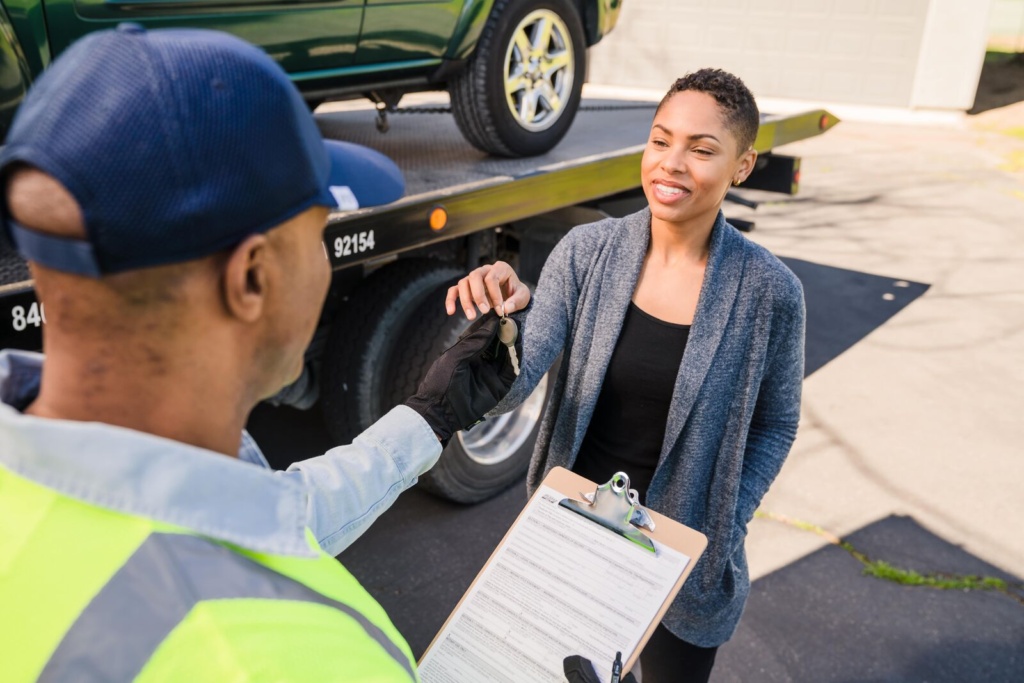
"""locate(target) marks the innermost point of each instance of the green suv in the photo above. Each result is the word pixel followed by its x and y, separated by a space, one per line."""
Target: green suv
pixel 514 68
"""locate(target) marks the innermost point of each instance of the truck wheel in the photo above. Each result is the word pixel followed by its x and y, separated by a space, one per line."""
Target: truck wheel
pixel 364 339
pixel 521 89
pixel 485 460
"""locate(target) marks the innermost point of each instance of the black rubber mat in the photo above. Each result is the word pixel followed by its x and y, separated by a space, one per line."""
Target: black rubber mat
pixel 821 620
pixel 844 306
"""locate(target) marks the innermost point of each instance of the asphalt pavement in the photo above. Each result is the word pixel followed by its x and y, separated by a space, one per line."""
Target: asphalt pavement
pixel 909 239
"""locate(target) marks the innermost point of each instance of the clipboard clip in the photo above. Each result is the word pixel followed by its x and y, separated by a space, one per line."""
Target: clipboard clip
pixel 616 507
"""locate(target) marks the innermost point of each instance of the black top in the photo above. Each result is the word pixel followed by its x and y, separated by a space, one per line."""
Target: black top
pixel 628 426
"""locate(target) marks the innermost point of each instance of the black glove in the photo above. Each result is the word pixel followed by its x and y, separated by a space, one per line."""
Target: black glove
pixel 578 669
pixel 466 381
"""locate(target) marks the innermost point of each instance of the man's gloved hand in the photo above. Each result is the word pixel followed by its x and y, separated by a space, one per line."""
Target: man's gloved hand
pixel 466 381
pixel 578 669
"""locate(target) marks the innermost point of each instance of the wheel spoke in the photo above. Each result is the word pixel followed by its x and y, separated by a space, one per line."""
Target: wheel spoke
pixel 515 83
pixel 522 45
pixel 542 37
pixel 547 92
pixel 528 106
pixel 554 62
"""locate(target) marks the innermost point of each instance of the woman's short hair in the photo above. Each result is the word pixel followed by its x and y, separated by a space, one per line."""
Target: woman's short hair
pixel 732 95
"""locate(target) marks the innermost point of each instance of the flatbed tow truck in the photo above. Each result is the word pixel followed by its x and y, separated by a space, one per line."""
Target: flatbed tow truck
pixel 384 320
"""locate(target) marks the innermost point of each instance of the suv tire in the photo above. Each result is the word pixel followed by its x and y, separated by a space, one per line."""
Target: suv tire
pixel 480 462
pixel 517 97
pixel 365 338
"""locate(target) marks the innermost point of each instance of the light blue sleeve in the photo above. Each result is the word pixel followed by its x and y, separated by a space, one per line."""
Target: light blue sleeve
pixel 350 486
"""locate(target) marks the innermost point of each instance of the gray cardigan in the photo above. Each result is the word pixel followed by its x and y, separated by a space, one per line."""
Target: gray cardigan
pixel 735 407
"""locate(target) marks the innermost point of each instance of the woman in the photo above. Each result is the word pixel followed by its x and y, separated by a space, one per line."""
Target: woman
pixel 682 363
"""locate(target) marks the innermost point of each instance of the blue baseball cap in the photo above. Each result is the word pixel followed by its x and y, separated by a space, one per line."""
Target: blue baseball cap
pixel 176 144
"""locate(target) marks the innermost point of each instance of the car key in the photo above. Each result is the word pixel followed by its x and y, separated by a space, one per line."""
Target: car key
pixel 508 332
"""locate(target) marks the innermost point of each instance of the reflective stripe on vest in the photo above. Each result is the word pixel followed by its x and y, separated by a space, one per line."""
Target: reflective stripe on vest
pixel 155 590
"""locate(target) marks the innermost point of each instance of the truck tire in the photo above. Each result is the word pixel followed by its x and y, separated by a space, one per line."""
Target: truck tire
pixel 365 338
pixel 478 463
pixel 513 102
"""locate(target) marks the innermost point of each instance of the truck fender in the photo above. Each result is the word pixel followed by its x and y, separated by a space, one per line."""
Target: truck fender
pixel 468 28
pixel 15 75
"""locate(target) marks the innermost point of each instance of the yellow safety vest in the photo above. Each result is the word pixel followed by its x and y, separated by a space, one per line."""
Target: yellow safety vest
pixel 89 594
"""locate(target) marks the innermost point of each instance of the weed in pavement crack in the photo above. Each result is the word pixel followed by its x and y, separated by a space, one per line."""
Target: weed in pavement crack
pixel 881 569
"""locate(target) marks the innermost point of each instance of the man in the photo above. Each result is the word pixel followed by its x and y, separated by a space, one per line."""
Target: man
pixel 170 190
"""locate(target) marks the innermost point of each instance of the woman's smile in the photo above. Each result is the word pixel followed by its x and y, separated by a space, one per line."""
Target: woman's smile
pixel 668 192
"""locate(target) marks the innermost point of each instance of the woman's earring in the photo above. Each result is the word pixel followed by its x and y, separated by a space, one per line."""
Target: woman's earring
pixel 736 182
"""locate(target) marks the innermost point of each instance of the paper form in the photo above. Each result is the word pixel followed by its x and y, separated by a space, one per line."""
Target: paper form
pixel 560 585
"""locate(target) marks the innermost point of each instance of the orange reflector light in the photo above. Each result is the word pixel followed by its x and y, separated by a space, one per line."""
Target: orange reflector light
pixel 824 122
pixel 796 178
pixel 438 218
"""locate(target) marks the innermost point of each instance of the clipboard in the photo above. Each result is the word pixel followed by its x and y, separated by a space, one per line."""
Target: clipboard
pixel 570 518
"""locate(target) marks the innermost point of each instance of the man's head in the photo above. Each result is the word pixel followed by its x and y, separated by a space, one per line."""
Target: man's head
pixel 169 189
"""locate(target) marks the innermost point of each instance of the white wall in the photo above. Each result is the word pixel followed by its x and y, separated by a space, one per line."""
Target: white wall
pixel 1006 25
pixel 877 52
pixel 952 54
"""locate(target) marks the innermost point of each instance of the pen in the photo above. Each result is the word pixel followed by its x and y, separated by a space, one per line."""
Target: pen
pixel 617 668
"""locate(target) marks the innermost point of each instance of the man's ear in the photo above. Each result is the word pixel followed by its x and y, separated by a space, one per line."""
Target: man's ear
pixel 245 277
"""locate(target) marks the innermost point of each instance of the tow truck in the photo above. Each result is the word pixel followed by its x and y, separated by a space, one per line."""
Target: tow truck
pixel 384 320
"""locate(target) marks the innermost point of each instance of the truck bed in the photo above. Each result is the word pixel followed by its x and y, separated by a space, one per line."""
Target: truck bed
pixel 599 157
pixel 435 158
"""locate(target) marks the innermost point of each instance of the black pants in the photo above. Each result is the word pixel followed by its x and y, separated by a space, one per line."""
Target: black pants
pixel 666 659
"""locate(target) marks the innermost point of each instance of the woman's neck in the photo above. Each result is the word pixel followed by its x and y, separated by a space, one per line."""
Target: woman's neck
pixel 672 243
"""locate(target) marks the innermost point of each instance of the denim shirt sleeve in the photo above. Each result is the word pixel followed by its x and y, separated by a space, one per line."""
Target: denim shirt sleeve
pixel 350 486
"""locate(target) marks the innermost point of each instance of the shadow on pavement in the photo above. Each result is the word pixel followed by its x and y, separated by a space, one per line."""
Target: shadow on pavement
pixel 820 619
pixel 1001 83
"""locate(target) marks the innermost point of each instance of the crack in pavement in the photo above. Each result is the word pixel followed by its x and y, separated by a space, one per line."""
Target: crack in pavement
pixel 881 569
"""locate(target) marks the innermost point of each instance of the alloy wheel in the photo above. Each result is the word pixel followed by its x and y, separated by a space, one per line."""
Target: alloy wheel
pixel 539 66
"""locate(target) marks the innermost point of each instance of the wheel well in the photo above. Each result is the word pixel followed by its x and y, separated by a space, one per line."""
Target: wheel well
pixel 589 14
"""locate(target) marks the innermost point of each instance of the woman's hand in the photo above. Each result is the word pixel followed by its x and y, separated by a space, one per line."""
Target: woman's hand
pixel 489 287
